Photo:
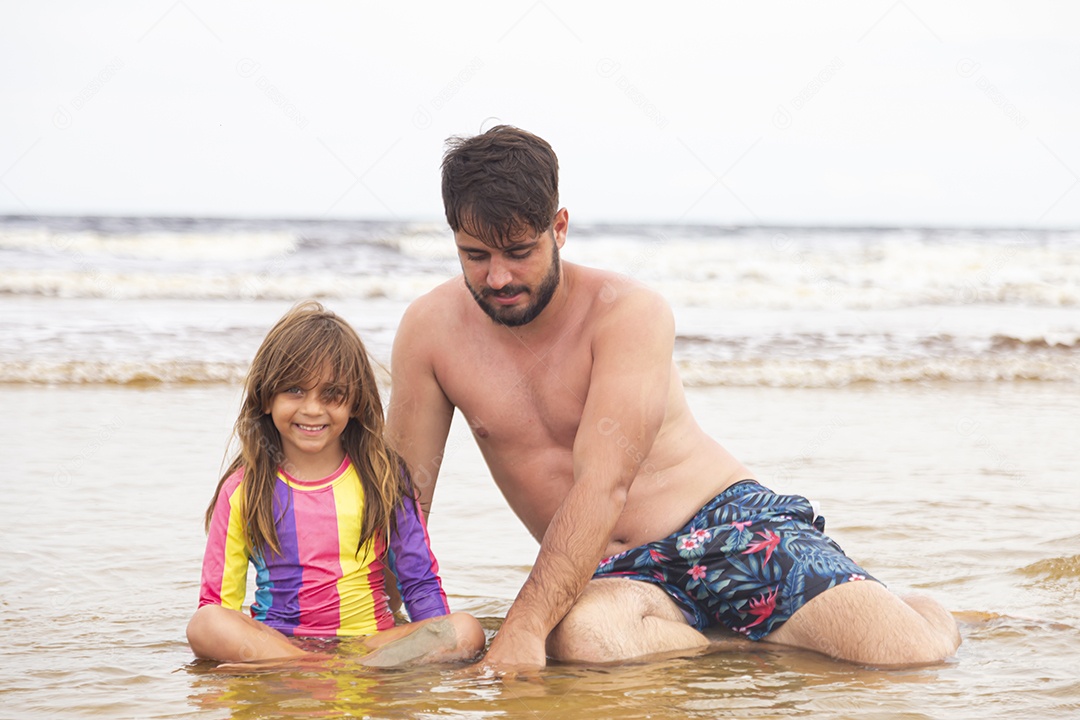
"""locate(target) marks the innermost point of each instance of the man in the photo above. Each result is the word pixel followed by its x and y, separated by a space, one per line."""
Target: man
pixel 648 533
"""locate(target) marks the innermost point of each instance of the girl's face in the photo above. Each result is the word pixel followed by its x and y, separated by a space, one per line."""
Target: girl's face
pixel 311 420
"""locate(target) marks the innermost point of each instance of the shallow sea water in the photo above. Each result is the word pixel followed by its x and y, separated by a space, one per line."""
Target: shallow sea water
pixel 964 491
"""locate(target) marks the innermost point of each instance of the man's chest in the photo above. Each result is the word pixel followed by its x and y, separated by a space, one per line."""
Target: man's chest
pixel 519 396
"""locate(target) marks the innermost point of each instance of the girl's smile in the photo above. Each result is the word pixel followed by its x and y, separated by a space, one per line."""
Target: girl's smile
pixel 311 420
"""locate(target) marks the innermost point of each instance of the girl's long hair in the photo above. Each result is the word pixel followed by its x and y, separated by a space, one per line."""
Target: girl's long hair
pixel 306 343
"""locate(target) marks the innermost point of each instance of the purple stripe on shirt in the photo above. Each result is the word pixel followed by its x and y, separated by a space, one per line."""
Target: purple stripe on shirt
pixel 284 613
pixel 415 565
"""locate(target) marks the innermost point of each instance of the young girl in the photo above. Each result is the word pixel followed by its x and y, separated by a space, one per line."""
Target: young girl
pixel 319 505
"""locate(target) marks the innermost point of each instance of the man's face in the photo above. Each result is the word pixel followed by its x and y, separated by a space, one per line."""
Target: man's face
pixel 515 283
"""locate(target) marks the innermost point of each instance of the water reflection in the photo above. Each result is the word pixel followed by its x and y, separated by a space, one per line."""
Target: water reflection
pixel 331 691
pixel 769 682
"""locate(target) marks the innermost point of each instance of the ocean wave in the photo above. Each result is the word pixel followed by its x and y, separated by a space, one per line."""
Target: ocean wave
pixel 849 371
pixel 89 245
pixel 720 268
pixel 120 373
pixel 1036 343
pixel 789 271
pixel 94 283
pixel 406 285
pixel 872 341
pixel 791 373
pixel 770 293
pixel 1054 569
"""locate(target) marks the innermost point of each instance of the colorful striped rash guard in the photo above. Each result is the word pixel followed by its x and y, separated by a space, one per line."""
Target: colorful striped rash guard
pixel 320 586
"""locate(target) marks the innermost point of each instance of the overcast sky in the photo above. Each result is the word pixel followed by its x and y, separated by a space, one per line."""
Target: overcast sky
pixel 857 112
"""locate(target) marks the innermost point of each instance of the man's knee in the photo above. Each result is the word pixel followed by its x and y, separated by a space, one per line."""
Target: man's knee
pixel 617 619
pixel 601 624
pixel 586 634
pixel 940 619
pixel 865 623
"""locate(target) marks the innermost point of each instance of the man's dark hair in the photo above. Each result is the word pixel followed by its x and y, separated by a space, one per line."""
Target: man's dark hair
pixel 499 184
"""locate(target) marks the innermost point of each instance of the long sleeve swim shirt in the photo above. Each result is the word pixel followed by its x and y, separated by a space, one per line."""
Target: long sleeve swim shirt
pixel 320 585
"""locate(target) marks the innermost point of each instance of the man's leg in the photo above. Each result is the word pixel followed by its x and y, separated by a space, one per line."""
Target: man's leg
pixel 616 619
pixel 863 622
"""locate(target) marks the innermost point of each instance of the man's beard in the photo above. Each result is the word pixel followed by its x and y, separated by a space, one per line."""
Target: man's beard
pixel 515 317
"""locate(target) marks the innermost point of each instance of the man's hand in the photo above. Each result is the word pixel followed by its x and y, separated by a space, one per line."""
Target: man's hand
pixel 514 651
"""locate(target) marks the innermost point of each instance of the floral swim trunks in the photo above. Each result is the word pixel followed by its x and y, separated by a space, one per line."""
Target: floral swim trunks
pixel 748 560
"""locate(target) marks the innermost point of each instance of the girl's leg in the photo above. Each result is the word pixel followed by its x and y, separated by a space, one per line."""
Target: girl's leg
pixel 456 637
pixel 217 633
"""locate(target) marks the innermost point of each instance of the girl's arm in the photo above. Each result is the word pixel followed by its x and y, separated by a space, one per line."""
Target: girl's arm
pixel 225 562
pixel 415 565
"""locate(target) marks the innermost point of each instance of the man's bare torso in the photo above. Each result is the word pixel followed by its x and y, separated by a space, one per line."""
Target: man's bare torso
pixel 523 393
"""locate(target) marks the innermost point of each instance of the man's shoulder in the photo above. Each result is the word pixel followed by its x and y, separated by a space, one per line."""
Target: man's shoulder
pixel 435 308
pixel 441 293
pixel 615 295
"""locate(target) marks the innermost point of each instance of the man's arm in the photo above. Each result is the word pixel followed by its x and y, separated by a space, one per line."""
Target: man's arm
pixel 624 410
pixel 419 415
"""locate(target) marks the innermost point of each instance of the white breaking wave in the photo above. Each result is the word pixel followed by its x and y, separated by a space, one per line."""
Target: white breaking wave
pixel 94 283
pixel 120 373
pixel 843 272
pixel 89 246
pixel 787 372
pixel 145 300
pixel 793 269
pixel 171 372
pixel 848 371
pixel 745 292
